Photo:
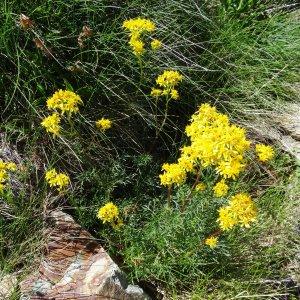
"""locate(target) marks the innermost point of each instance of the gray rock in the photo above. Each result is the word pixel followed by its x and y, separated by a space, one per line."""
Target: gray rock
pixel 8 283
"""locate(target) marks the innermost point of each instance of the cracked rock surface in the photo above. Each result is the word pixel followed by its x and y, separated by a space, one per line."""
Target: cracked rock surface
pixel 75 266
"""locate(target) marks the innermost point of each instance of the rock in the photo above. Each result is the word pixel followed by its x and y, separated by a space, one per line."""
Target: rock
pixel 75 266
pixel 284 128
pixel 8 283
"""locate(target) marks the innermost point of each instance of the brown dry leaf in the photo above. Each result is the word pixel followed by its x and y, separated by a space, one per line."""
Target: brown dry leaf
pixel 76 67
pixel 25 22
pixel 40 44
pixel 85 33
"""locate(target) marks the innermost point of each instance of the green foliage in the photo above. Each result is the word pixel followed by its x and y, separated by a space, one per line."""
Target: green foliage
pixel 242 62
pixel 162 244
pixel 238 6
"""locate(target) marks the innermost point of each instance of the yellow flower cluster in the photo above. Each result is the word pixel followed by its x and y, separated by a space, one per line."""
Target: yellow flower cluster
pixel 110 213
pixel 264 152
pixel 200 187
pixel 174 173
pixel 65 101
pixel 211 241
pixel 221 188
pixel 214 143
pixel 51 123
pixel 136 28
pixel 167 82
pixel 103 124
pixel 240 210
pixel 5 167
pixel 58 180
pixel 156 44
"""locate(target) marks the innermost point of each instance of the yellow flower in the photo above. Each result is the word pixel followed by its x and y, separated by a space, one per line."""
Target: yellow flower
pixel 169 79
pixel 244 208
pixel 3 176
pixel 156 92
pixel 264 152
pixel 58 180
pixel 186 163
pixel 230 169
pixel 211 241
pixel 2 165
pixel 103 124
pixel 240 210
pixel 217 143
pixel 221 188
pixel 139 25
pixel 174 94
pixel 11 166
pixel 65 101
pixel 174 173
pixel 50 174
pixel 51 123
pixel 156 44
pixel 108 213
pixel 200 187
pixel 136 27
pixel 61 181
pixel 137 46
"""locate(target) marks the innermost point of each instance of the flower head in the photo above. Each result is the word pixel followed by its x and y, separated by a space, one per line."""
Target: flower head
pixel 137 46
pixel 221 188
pixel 174 94
pixel 58 180
pixel 103 124
pixel 211 241
pixel 136 28
pixel 108 213
pixel 264 152
pixel 156 44
pixel 215 142
pixel 169 79
pixel 156 92
pixel 64 101
pixel 51 123
pixel 240 210
pixel 5 168
pixel 173 174
pixel 200 187
pixel 138 25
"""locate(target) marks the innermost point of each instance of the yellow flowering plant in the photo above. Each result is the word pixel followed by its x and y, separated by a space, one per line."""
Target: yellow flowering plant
pixel 5 169
pixel 211 241
pixel 167 83
pixel 136 28
pixel 103 124
pixel 52 124
pixel 64 101
pixel 218 147
pixel 109 213
pixel 264 152
pixel 58 180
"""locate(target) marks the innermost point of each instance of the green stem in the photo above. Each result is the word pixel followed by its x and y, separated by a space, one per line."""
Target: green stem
pixel 188 197
pixel 165 117
pixel 169 195
pixel 141 69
